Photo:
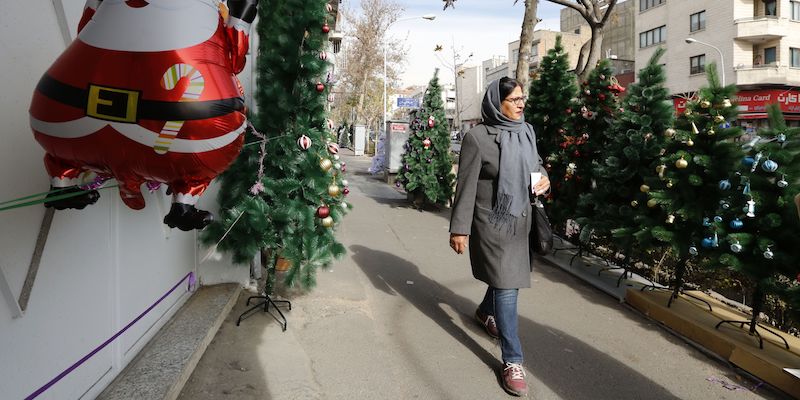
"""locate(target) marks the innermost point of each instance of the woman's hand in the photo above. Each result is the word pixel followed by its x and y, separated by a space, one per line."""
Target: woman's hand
pixel 458 242
pixel 542 186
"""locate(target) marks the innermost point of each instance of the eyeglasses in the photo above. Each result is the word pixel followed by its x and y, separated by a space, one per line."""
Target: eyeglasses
pixel 516 100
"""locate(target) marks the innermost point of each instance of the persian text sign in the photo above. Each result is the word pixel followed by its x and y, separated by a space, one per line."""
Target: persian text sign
pixel 756 101
pixel 407 102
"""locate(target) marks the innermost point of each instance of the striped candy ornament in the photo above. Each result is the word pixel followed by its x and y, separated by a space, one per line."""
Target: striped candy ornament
pixel 193 90
pixel 333 148
pixel 304 142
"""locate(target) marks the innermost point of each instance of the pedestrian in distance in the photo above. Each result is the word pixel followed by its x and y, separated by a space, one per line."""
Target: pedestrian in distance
pixel 492 215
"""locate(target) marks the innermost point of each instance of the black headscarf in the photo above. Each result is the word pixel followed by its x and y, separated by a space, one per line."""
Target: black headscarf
pixel 517 148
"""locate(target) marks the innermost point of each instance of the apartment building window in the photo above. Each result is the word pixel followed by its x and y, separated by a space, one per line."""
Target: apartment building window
pixel 795 10
pixel 697 21
pixel 697 64
pixel 795 54
pixel 770 55
pixel 771 8
pixel 653 36
pixel 645 4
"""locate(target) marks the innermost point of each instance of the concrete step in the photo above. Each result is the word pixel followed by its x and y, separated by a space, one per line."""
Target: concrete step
pixel 166 362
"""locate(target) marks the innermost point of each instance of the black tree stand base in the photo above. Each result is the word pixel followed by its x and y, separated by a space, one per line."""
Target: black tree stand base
pixel 754 331
pixel 265 302
pixel 671 298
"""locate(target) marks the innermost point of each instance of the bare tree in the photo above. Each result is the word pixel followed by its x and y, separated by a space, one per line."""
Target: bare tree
pixel 526 42
pixel 361 72
pixel 457 68
pixel 596 14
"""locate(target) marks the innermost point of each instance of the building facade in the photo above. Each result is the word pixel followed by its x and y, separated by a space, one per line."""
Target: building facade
pixel 754 43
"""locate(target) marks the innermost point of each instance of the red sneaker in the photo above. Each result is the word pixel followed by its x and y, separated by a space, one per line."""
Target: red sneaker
pixel 488 323
pixel 514 379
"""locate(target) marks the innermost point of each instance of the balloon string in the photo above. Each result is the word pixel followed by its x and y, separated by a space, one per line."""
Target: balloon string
pixel 46 199
pixel 213 248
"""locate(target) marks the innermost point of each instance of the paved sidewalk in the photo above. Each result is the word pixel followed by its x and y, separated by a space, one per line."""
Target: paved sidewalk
pixel 394 320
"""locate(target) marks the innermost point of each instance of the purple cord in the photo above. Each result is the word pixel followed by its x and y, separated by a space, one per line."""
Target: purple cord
pixel 66 372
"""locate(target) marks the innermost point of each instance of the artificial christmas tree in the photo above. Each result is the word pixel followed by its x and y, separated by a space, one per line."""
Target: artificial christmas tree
pixel 759 230
pixel 585 135
pixel 285 192
pixel 701 153
pixel 632 151
pixel 426 172
pixel 550 103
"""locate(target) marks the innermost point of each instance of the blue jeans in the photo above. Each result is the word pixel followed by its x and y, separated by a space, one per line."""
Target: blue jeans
pixel 502 304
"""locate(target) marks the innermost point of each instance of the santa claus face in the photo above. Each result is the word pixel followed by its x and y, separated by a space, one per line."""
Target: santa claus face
pixel 151 25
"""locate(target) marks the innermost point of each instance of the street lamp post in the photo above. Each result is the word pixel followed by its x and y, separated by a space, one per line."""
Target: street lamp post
pixel 429 17
pixel 721 60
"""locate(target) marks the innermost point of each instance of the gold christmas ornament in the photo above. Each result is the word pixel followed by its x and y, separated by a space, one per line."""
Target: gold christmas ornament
pixel 711 132
pixel 719 119
pixel 705 104
pixel 325 164
pixel 687 113
pixel 669 184
pixel 726 103
pixel 681 163
pixel 634 203
pixel 690 142
pixel 669 132
pixel 644 188
pixel 652 203
pixel 694 128
pixel 670 219
pixel 327 222
pixel 334 190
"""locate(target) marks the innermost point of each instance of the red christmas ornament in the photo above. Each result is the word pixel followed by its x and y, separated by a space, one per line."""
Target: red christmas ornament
pixel 569 110
pixel 426 143
pixel 577 153
pixel 345 191
pixel 601 96
pixel 431 121
pixel 326 28
pixel 320 86
pixel 304 142
pixel 323 212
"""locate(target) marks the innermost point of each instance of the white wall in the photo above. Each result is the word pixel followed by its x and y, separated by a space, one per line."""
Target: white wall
pixel 101 267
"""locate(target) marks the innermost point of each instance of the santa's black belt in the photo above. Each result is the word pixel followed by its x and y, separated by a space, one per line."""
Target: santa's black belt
pixel 123 105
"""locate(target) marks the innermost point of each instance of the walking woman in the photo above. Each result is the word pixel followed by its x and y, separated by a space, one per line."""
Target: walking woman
pixel 492 217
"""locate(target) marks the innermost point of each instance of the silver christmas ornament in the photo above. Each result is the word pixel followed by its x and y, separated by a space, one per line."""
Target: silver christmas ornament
pixel 751 208
pixel 768 254
pixel 693 250
pixel 782 183
pixel 736 247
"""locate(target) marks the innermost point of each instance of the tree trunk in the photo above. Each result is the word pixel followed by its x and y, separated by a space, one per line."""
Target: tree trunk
pixel 525 42
pixel 758 304
pixel 680 271
pixel 593 54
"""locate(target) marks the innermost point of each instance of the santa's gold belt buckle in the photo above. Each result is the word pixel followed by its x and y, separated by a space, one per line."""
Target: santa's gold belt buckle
pixel 112 104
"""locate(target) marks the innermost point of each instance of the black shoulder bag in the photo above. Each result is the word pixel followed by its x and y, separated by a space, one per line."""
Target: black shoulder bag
pixel 540 239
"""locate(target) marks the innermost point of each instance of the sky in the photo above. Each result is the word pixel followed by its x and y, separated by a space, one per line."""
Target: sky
pixel 481 27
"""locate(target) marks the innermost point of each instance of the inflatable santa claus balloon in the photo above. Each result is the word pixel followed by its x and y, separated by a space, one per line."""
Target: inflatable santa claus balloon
pixel 147 93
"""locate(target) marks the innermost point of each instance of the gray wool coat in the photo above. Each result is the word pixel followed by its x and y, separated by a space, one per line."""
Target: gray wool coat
pixel 498 257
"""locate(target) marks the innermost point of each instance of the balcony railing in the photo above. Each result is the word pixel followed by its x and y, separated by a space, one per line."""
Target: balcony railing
pixel 759 28
pixel 763 74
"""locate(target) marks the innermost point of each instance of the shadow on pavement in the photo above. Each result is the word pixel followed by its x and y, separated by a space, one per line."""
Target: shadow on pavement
pixel 582 373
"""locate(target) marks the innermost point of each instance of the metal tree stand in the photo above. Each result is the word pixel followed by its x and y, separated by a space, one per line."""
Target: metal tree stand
pixel 266 300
